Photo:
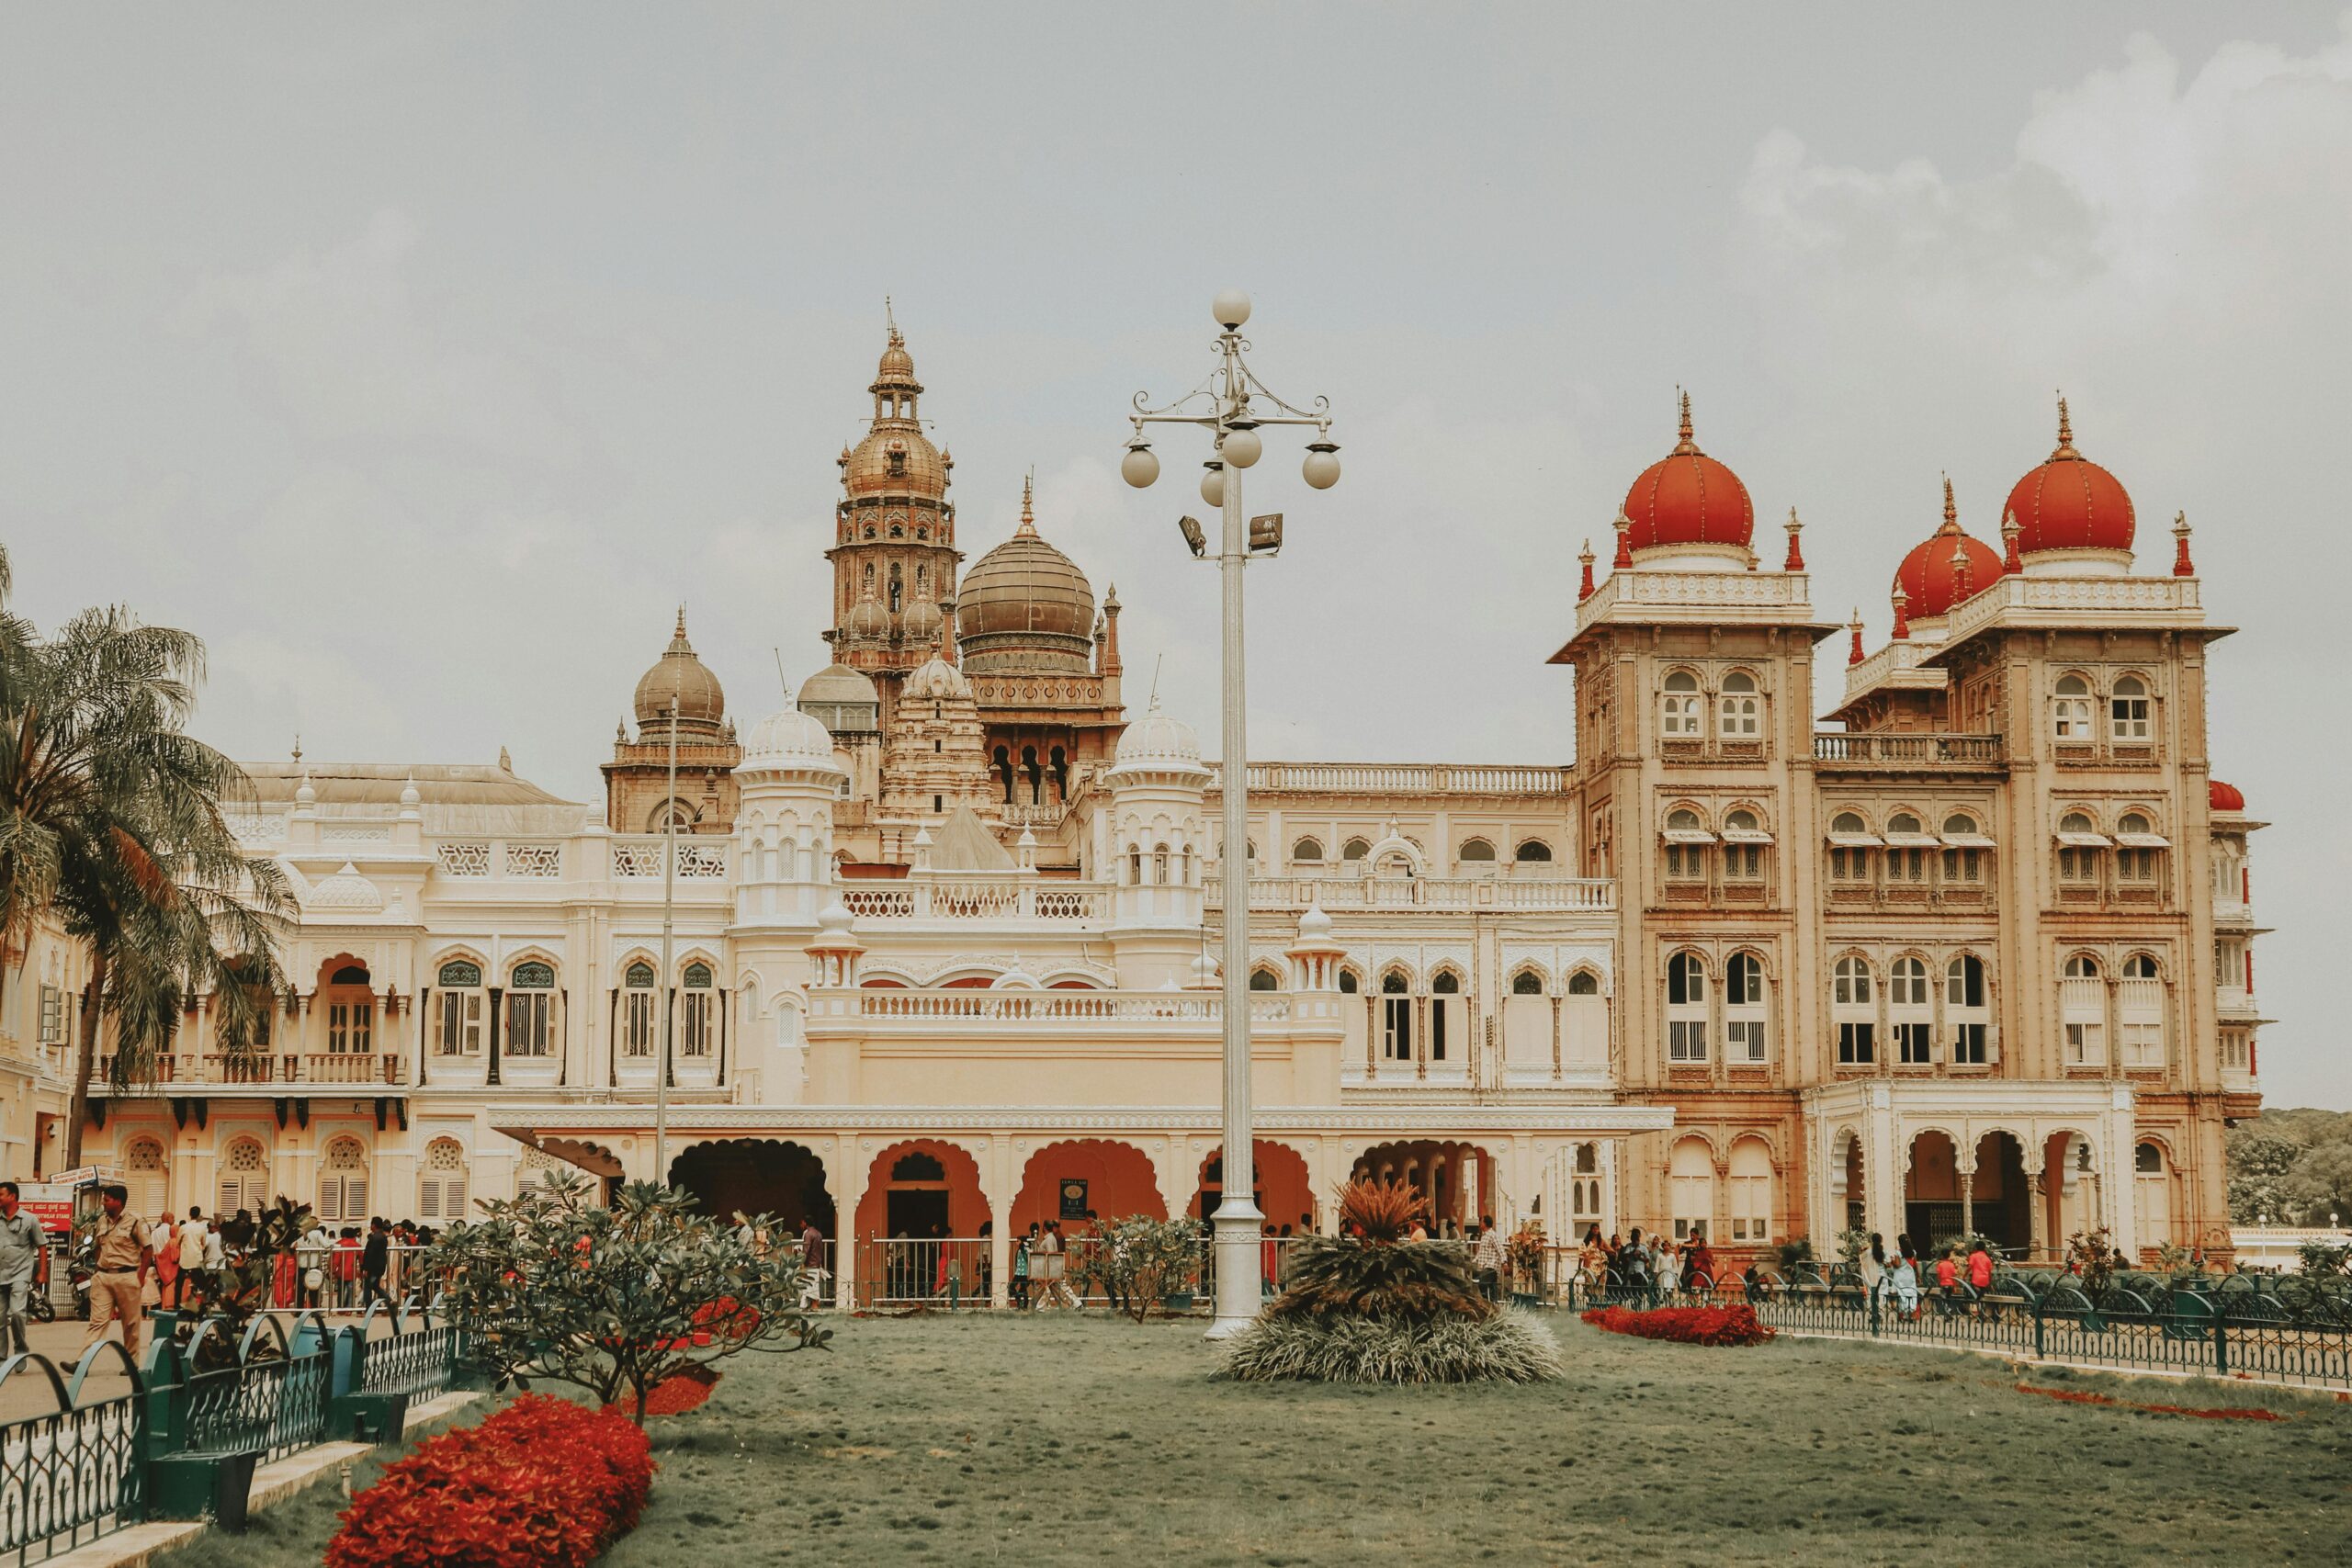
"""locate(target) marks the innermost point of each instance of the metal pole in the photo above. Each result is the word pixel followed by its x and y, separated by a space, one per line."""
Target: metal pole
pixel 1237 1220
pixel 669 913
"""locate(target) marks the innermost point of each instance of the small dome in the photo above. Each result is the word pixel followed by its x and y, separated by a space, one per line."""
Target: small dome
pixel 841 699
pixel 1026 606
pixel 868 621
pixel 922 621
pixel 936 680
pixel 1155 740
pixel 2070 503
pixel 346 890
pixel 833 924
pixel 1314 927
pixel 1930 578
pixel 2222 796
pixel 1687 498
pixel 790 737
pixel 681 675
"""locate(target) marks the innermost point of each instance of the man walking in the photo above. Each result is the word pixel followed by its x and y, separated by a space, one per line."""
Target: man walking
pixel 1486 1261
pixel 21 1245
pixel 374 1259
pixel 120 1259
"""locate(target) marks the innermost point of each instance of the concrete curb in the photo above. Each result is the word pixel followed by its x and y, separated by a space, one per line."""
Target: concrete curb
pixel 140 1545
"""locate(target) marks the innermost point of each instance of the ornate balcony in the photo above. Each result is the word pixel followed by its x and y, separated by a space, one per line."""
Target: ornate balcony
pixel 1906 752
pixel 266 1074
pixel 1437 893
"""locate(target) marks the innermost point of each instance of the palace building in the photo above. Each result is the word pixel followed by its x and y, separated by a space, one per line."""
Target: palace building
pixel 1962 946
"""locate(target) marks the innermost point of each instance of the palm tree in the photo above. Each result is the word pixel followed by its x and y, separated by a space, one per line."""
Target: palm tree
pixel 110 826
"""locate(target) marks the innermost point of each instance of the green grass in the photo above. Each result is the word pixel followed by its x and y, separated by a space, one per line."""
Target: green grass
pixel 1061 1439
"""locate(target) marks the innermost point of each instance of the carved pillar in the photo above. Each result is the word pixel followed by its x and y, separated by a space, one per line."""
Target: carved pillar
pixel 1555 999
pixel 2037 1216
pixel 1967 1201
pixel 1420 1016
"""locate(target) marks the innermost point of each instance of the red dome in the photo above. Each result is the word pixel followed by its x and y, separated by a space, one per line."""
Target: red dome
pixel 2070 503
pixel 1687 498
pixel 1928 576
pixel 2223 797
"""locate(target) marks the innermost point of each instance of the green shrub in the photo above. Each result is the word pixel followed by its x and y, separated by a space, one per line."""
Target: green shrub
pixel 1506 1346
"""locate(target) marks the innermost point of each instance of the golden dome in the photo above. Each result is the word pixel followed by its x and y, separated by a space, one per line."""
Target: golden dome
pixel 680 675
pixel 868 621
pixel 896 458
pixel 1024 605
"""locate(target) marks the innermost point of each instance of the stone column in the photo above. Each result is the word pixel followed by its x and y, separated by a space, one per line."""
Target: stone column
pixel 843 1157
pixel 1967 1200
pixel 2037 1215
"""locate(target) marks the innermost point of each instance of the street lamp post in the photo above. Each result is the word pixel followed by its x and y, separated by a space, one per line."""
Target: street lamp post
pixel 1232 404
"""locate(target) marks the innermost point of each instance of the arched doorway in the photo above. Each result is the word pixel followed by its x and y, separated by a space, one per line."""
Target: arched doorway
pixel 1457 1179
pixel 1283 1191
pixel 924 1223
pixel 1065 1181
pixel 757 1176
pixel 2070 1189
pixel 347 1002
pixel 1999 1205
pixel 1855 1192
pixel 1932 1207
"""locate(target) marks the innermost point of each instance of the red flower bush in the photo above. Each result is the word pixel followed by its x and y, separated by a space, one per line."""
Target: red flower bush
pixel 542 1483
pixel 1685 1325
pixel 672 1395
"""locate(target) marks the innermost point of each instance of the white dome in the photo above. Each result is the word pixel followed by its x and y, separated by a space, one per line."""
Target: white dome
pixel 936 680
pixel 790 738
pixel 1158 740
pixel 1315 926
pixel 833 920
pixel 347 890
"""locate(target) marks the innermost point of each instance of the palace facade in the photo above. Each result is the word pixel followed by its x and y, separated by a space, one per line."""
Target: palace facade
pixel 1961 946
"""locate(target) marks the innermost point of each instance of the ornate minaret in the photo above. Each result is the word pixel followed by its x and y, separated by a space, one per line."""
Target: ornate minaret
pixel 894 542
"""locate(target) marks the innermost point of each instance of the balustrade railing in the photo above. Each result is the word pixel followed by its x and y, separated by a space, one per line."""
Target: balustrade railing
pixel 1907 750
pixel 972 900
pixel 336 1068
pixel 1342 893
pixel 1061 1006
pixel 1401 778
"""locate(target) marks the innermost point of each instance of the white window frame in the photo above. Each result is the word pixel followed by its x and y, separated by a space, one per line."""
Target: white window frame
pixel 698 1033
pixel 2140 1015
pixel 1740 709
pixel 1686 1021
pixel 641 1012
pixel 530 1014
pixel 2073 717
pixel 1968 1025
pixel 1747 1040
pixel 1853 1007
pixel 2128 713
pixel 459 1010
pixel 1911 1011
pixel 2082 1003
pixel 1679 708
pixel 1750 1194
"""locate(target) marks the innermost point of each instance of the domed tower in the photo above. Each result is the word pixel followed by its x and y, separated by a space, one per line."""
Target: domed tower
pixel 1687 510
pixel 1945 570
pixel 1153 845
pixel 1044 667
pixel 789 776
pixel 2073 517
pixel 894 542
pixel 679 691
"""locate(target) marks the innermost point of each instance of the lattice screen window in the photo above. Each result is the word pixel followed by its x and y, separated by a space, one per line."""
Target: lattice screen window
pixel 343 1183
pixel 441 1190
pixel 245 1178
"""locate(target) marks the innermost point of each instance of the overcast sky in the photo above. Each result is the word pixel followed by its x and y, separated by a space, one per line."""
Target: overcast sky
pixel 422 358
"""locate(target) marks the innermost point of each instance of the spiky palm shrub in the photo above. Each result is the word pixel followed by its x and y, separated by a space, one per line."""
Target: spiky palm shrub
pixel 1372 1306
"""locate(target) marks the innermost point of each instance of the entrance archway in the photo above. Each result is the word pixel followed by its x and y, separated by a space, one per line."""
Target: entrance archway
pixel 1457 1179
pixel 1063 1181
pixel 1998 1202
pixel 1857 1189
pixel 1284 1191
pixel 922 1187
pixel 757 1176
pixel 1931 1209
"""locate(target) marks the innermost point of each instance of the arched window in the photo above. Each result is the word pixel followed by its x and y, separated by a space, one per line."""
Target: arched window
pixel 2151 1194
pixel 1446 984
pixel 1307 852
pixel 143 1173
pixel 351 1011
pixel 530 1002
pixel 2136 846
pixel 1854 1008
pixel 1534 852
pixel 1584 982
pixel 343 1183
pixel 1686 847
pixel 1527 983
pixel 1477 852
pixel 1686 1009
pixel 244 1179
pixel 2127 709
pixel 1743 848
pixel 1159 862
pixel 1135 865
pixel 2080 842
pixel 1741 708
pixel 1395 1019
pixel 1354 849
pixel 1906 850
pixel 638 1008
pixel 1263 979
pixel 2140 1013
pixel 1850 840
pixel 1679 708
pixel 441 1185
pixel 458 1008
pixel 1964 844
pixel 2070 721
pixel 1349 985
pixel 1692 1177
pixel 1910 1011
pixel 2082 1004
pixel 698 1036
pixel 1751 1192
pixel 1744 1008
pixel 1965 1009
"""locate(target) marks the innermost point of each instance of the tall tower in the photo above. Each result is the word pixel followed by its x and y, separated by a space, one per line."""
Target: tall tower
pixel 894 540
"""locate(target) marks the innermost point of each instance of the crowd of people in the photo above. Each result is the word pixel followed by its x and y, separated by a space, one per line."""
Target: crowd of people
pixel 1656 1262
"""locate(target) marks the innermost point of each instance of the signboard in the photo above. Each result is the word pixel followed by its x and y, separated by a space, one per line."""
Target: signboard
pixel 51 1202
pixel 1073 1199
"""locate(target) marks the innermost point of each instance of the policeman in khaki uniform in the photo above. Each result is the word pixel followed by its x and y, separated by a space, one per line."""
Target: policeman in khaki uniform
pixel 120 1264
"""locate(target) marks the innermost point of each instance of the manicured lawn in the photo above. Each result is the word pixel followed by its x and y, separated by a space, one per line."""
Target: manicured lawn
pixel 1059 1440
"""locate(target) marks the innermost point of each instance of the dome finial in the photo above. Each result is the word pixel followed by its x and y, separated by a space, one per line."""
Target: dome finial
pixel 1685 447
pixel 1902 613
pixel 2181 565
pixel 890 320
pixel 678 643
pixel 1796 556
pixel 1854 655
pixel 1585 557
pixel 1625 526
pixel 2010 564
pixel 1028 528
pixel 2065 433
pixel 1960 573
pixel 1951 512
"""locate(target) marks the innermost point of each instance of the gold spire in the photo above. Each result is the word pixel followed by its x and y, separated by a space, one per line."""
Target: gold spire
pixel 2066 434
pixel 1951 512
pixel 1685 447
pixel 678 643
pixel 1028 529
pixel 890 320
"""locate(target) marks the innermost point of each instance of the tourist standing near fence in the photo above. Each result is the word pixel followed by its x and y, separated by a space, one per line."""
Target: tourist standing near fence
pixel 21 1241
pixel 374 1258
pixel 120 1260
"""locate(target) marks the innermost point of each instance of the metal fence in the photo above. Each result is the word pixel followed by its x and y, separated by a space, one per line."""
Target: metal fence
pixel 77 1472
pixel 960 1271
pixel 2282 1329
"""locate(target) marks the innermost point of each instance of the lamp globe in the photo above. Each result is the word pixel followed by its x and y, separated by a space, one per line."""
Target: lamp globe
pixel 1140 467
pixel 1321 468
pixel 1213 485
pixel 1231 308
pixel 1242 448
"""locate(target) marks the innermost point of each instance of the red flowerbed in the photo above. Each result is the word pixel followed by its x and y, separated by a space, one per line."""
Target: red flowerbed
pixel 542 1483
pixel 1686 1326
pixel 2081 1397
pixel 672 1395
